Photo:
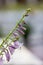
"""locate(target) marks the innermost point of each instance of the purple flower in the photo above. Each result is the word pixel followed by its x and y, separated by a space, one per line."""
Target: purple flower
pixel 1 61
pixel 17 44
pixel 7 55
pixel 11 49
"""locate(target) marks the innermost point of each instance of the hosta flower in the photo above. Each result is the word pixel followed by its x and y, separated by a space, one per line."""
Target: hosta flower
pixel 17 44
pixel 11 49
pixel 5 46
pixel 7 55
pixel 1 61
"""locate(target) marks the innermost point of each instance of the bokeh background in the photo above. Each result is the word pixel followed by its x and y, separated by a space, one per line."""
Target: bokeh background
pixel 11 11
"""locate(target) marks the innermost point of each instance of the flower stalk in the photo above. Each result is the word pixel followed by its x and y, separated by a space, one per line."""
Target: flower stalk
pixel 16 44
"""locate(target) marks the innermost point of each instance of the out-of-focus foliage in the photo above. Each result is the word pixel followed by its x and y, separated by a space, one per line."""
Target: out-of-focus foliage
pixel 19 4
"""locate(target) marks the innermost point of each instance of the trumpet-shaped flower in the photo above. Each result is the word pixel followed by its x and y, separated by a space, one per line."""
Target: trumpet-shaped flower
pixel 11 49
pixel 16 45
pixel 7 55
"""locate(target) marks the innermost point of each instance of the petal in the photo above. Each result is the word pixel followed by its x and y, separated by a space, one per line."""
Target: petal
pixel 17 44
pixel 21 44
pixel 1 61
pixel 7 55
pixel 11 49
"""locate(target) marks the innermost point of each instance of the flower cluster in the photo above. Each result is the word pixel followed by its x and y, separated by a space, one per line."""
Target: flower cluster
pixel 16 44
pixel 9 48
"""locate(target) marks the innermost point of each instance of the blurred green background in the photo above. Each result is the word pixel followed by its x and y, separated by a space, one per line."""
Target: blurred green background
pixel 20 4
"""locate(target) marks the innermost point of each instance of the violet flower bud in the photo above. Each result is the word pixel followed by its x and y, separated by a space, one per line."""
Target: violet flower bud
pixel 20 31
pixel 1 61
pixel 7 55
pixel 23 28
